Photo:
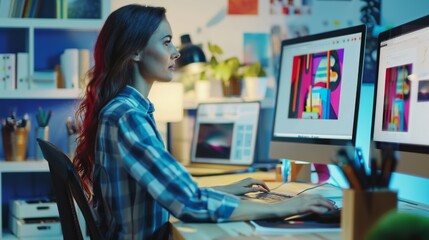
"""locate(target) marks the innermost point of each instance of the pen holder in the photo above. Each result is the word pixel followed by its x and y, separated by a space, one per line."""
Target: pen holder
pixel 42 133
pixel 15 143
pixel 21 143
pixel 362 209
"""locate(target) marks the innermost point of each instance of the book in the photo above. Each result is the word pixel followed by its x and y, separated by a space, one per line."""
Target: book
pixel 70 67
pixel 84 66
pixel 22 71
pixel 26 10
pixel 83 9
pixel 34 8
pixel 5 8
pixel 7 71
pixel 44 80
pixel 58 9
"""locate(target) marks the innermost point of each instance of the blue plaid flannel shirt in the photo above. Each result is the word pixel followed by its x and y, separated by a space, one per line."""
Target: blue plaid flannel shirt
pixel 145 182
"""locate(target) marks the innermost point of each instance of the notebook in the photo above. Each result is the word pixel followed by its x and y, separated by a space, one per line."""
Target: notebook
pixel 224 138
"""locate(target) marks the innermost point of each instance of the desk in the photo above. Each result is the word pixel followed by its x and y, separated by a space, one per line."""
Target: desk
pixel 234 230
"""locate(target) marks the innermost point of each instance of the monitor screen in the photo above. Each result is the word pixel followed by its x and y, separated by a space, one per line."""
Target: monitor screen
pixel 225 133
pixel 401 99
pixel 318 89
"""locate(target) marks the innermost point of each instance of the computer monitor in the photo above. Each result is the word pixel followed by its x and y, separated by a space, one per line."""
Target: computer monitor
pixel 401 95
pixel 317 99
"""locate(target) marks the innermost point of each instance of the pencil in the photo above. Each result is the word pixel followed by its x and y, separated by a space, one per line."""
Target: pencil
pixel 295 92
pixel 328 69
pixel 310 91
pixel 351 177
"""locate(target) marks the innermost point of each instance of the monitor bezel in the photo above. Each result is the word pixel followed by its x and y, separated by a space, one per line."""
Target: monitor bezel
pixel 324 141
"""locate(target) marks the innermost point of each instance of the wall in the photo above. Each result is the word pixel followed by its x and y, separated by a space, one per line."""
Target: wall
pixel 206 20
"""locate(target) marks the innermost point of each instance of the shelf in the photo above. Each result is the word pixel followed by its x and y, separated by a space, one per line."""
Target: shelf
pixel 9 236
pixel 42 94
pixel 80 24
pixel 23 166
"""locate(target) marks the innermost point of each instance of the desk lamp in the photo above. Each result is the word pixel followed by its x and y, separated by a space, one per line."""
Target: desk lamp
pixel 192 57
pixel 167 97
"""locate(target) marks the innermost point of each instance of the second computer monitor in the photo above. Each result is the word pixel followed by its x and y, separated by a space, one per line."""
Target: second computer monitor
pixel 401 99
pixel 317 100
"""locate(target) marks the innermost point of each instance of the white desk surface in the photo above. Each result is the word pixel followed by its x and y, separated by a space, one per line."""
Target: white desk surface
pixel 235 230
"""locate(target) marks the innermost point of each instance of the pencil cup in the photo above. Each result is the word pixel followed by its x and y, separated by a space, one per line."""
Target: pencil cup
pixel 362 209
pixel 6 134
pixel 42 133
pixel 71 142
pixel 21 143
pixel 15 143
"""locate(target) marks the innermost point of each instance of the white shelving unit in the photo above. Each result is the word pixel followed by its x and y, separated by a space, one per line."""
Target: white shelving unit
pixel 42 94
pixel 29 29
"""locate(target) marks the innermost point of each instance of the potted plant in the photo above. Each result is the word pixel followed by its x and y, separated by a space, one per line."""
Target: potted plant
pixel 227 71
pixel 253 70
pixel 254 81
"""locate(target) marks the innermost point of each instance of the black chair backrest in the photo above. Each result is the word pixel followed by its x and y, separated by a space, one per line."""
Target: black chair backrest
pixel 67 187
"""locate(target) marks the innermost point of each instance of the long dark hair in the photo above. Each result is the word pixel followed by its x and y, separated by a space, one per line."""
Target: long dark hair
pixel 126 31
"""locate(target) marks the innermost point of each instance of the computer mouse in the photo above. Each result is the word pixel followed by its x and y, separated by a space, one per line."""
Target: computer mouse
pixel 331 216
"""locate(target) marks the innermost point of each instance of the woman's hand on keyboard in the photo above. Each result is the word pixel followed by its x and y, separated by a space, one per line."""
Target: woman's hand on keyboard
pixel 244 186
pixel 307 203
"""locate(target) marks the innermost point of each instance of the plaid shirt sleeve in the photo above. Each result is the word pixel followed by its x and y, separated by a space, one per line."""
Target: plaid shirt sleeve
pixel 147 161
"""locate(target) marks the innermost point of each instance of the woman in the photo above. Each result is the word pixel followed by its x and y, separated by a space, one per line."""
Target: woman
pixel 146 184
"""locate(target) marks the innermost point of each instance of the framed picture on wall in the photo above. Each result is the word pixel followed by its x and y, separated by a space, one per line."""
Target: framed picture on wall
pixel 243 7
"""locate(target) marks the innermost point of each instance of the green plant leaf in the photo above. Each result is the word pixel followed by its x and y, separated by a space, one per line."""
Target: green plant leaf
pixel 215 49
pixel 253 70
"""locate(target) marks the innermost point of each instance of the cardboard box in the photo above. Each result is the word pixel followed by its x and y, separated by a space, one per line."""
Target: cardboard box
pixel 37 208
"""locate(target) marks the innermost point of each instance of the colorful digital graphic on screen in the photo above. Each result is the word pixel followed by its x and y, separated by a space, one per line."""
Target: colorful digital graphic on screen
pixel 316 85
pixel 214 140
pixel 397 90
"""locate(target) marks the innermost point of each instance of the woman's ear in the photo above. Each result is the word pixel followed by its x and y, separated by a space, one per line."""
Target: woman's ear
pixel 137 56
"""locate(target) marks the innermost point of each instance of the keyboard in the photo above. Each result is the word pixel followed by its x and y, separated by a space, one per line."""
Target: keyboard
pixel 270 197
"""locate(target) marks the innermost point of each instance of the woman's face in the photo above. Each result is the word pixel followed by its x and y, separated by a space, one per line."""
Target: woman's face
pixel 157 61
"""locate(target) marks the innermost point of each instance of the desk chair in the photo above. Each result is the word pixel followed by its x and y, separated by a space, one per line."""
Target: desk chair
pixel 67 187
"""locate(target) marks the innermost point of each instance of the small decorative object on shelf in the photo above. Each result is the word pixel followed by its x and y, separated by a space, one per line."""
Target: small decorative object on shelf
pixel 72 130
pixel 42 130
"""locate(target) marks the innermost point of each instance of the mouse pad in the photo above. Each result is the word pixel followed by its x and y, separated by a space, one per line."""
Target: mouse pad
pixel 280 226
